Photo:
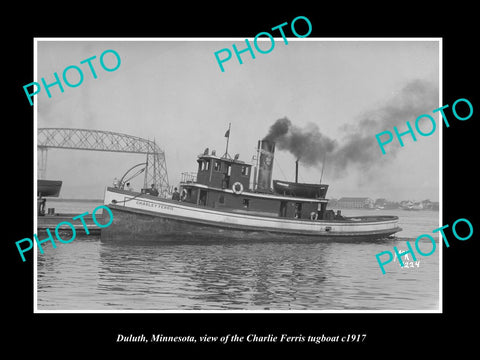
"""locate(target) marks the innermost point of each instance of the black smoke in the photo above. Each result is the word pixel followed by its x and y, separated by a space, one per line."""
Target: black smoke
pixel 306 144
pixel 358 146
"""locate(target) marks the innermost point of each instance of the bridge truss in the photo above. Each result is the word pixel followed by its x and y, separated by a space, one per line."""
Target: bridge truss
pixel 97 140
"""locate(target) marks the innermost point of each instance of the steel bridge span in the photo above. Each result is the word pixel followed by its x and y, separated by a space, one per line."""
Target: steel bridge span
pixel 97 140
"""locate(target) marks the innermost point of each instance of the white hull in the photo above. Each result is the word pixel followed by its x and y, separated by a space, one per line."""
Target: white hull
pixel 128 205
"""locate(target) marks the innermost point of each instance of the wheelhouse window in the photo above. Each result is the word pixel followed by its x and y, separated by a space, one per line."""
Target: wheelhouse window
pixel 245 170
pixel 204 165
pixel 217 165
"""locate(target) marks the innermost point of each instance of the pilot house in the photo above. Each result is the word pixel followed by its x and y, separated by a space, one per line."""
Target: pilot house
pixel 224 183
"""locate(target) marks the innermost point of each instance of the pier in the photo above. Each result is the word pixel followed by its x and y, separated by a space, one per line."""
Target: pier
pixel 51 222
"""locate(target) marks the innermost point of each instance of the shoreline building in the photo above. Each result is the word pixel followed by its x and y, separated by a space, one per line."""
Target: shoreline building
pixel 355 203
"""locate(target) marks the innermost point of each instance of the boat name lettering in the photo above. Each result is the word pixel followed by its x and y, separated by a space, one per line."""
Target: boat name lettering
pixel 399 255
pixel 57 235
pixel 249 49
pixel 155 205
pixel 430 118
pixel 71 83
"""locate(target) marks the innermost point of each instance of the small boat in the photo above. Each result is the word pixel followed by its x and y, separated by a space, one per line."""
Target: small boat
pixel 218 201
pixel 299 189
pixel 49 187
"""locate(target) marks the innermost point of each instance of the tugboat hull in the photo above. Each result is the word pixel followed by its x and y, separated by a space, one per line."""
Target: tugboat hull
pixel 145 217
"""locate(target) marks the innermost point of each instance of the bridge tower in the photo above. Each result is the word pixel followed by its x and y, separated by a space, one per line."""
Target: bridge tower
pixel 97 140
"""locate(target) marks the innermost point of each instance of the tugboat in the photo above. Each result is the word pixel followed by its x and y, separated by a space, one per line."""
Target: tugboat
pixel 218 202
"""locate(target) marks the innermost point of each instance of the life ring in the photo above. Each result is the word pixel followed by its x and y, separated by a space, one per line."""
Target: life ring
pixel 183 196
pixel 313 215
pixel 237 188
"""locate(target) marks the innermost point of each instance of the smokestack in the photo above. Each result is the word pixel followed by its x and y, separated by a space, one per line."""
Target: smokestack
pixel 267 150
pixel 296 171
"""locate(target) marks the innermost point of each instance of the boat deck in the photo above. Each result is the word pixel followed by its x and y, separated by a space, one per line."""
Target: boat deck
pixel 351 219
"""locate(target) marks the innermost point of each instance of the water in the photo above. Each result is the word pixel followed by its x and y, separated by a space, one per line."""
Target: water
pixel 242 275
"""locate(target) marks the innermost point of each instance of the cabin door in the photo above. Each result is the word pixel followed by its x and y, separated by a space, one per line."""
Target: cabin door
pixel 226 177
pixel 298 211
pixel 202 199
pixel 283 209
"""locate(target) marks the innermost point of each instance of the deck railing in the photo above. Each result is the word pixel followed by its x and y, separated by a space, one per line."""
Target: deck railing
pixel 188 177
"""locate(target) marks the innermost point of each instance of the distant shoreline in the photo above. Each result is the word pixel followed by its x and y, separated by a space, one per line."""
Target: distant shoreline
pixel 329 206
pixel 82 200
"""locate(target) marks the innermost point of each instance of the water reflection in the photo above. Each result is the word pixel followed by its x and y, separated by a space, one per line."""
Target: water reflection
pixel 232 275
pixel 210 275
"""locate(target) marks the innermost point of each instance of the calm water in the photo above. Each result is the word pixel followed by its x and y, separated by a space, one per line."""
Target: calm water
pixel 242 275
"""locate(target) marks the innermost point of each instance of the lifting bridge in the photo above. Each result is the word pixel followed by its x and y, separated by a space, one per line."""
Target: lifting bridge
pixel 97 140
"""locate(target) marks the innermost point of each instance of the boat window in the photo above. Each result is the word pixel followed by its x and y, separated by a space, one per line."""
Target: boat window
pixel 245 170
pixel 221 199
pixel 229 169
pixel 207 165
pixel 246 203
pixel 217 165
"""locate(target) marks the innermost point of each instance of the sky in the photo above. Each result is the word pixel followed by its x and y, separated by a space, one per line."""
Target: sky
pixel 174 92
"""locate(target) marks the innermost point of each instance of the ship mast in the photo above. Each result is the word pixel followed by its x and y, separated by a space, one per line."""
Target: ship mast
pixel 227 135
